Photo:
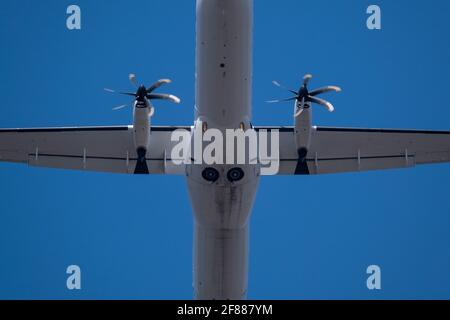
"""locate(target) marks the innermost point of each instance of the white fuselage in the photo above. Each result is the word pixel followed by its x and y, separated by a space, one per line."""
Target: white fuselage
pixel 223 101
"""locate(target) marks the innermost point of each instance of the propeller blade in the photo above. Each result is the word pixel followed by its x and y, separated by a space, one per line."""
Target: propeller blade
pixel 124 93
pixel 306 79
pixel 120 107
pixel 318 91
pixel 158 84
pixel 299 112
pixel 283 87
pixel 321 102
pixel 163 96
pixel 282 100
pixel 132 78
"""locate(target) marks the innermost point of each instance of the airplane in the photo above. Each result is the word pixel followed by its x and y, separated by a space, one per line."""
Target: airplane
pixel 222 195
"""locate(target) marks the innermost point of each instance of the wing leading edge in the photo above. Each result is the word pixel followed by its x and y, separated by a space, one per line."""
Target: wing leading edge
pixel 105 149
pixel 335 150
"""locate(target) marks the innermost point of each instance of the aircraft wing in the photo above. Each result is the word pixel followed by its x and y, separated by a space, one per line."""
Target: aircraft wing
pixel 335 150
pixel 106 149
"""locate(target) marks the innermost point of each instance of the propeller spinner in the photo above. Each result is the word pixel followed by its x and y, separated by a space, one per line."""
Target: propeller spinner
pixel 303 96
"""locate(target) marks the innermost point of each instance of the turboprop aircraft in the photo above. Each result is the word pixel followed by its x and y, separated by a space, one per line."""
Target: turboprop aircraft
pixel 222 194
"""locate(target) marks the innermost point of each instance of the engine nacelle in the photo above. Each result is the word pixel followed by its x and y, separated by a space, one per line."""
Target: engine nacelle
pixel 141 124
pixel 303 130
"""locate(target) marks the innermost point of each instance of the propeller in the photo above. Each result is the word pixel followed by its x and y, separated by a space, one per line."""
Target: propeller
pixel 143 93
pixel 303 96
pixel 120 107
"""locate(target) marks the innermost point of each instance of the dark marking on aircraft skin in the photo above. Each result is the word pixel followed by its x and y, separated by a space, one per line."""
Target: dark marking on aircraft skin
pixel 331 129
pixel 94 157
pixel 210 174
pixel 354 158
pixel 302 165
pixel 257 128
pixel 141 164
pixel 302 168
pixel 162 129
pixel 91 129
pixel 67 129
pixel 280 129
pixel 302 153
pixel 235 174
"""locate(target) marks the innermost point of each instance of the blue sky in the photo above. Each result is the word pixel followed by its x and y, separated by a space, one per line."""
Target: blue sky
pixel 311 237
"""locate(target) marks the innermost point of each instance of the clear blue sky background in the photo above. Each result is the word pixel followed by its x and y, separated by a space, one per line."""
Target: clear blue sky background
pixel 311 237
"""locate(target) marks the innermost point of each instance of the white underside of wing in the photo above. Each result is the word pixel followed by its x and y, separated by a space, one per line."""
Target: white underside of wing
pixel 104 149
pixel 335 150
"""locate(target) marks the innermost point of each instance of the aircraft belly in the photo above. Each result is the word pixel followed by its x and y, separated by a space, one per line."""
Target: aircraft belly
pixel 223 100
pixel 224 62
pixel 221 214
pixel 220 263
pixel 222 204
